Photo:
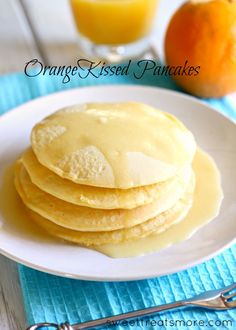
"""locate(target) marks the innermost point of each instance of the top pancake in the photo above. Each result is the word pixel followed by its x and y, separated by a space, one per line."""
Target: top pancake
pixel 113 145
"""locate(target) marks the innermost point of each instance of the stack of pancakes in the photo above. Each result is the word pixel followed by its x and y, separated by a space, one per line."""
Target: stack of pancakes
pixel 107 172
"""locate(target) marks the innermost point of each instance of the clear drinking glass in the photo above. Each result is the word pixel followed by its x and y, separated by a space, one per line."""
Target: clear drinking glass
pixel 114 30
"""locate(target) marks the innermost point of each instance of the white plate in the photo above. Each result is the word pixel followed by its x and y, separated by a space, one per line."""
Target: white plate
pixel 214 132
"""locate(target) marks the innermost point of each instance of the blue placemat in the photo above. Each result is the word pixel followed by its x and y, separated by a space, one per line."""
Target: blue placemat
pixel 55 299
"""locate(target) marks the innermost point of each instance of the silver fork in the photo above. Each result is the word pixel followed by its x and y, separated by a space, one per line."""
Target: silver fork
pixel 221 299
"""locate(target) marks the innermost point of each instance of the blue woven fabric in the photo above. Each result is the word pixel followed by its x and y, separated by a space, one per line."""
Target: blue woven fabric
pixel 55 299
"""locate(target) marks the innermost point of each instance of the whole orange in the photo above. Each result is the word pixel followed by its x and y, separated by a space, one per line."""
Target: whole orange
pixel 203 32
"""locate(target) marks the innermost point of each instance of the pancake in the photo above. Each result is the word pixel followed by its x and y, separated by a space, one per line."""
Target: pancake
pixel 113 145
pixel 97 197
pixel 155 225
pixel 84 218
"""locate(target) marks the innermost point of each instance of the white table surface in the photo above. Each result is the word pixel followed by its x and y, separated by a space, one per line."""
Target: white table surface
pixel 44 30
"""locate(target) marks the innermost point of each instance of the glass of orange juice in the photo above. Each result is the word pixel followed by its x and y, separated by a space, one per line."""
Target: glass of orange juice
pixel 114 30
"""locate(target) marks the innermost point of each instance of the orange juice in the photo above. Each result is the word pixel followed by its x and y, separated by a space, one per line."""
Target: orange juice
pixel 114 22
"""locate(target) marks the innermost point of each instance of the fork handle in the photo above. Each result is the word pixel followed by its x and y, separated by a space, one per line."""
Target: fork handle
pixel 112 319
pixel 127 316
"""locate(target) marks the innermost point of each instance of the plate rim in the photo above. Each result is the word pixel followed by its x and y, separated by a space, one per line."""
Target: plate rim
pixel 111 86
pixel 45 98
pixel 114 278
